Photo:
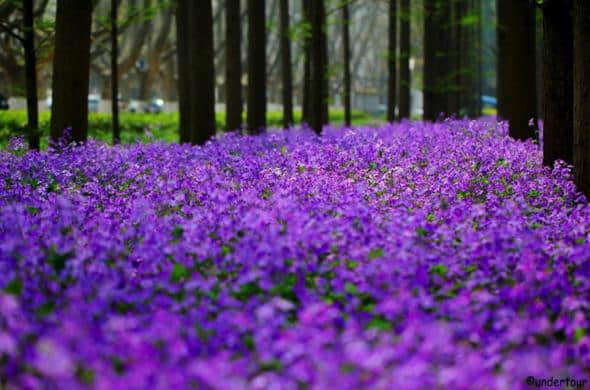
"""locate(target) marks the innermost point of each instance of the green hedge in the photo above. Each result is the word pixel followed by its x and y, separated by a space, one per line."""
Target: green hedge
pixel 134 125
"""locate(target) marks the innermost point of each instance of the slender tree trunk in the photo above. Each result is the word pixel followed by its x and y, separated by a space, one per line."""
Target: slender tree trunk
pixel 155 56
pixel 233 77
pixel 430 60
pixel 516 64
pixel 71 69
pixel 31 76
pixel 436 58
pixel 286 72
pixel 256 66
pixel 115 72
pixel 558 82
pixel 582 96
pixel 202 71
pixel 455 56
pixel 184 69
pixel 443 58
pixel 392 61
pixel 306 101
pixel 318 71
pixel 465 48
pixel 404 61
pixel 479 62
pixel 325 65
pixel 346 60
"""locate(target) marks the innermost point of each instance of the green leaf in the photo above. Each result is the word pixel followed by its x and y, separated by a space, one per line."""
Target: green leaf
pixel 246 291
pixel 85 375
pixel 179 272
pixel 14 287
pixel 380 323
pixel 58 260
pixel 579 334
pixel 33 210
pixel 350 288
pixel 177 232
pixel 45 309
pixel 439 269
pixel 421 232
pixel 271 365
pixel 351 264
pixel 376 253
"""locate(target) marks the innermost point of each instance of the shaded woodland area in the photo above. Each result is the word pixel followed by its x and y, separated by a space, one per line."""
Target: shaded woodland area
pixel 246 54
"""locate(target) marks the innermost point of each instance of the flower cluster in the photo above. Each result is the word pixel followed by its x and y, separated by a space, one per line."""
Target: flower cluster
pixel 414 255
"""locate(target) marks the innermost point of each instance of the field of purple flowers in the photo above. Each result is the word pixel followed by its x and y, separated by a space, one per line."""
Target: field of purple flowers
pixel 409 256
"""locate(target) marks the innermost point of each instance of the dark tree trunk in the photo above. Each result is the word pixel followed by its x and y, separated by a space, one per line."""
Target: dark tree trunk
pixel 516 64
pixel 233 77
pixel 391 61
pixel 455 57
pixel 318 70
pixel 31 76
pixel 558 82
pixel 256 66
pixel 196 76
pixel 202 71
pixel 477 105
pixel 115 72
pixel 346 60
pixel 286 71
pixel 582 96
pixel 325 62
pixel 436 67
pixel 306 101
pixel 184 69
pixel 443 57
pixel 71 69
pixel 404 61
pixel 429 60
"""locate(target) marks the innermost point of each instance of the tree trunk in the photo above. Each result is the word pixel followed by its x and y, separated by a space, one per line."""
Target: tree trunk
pixel 155 55
pixel 306 101
pixel 286 73
pixel 202 71
pixel 196 75
pixel 318 71
pixel 71 69
pixel 325 62
pixel 184 69
pixel 436 67
pixel 443 57
pixel 455 57
pixel 115 73
pixel 233 77
pixel 558 82
pixel 391 61
pixel 404 61
pixel 137 40
pixel 516 64
pixel 346 60
pixel 256 67
pixel 581 96
pixel 429 90
pixel 477 104
pixel 31 76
